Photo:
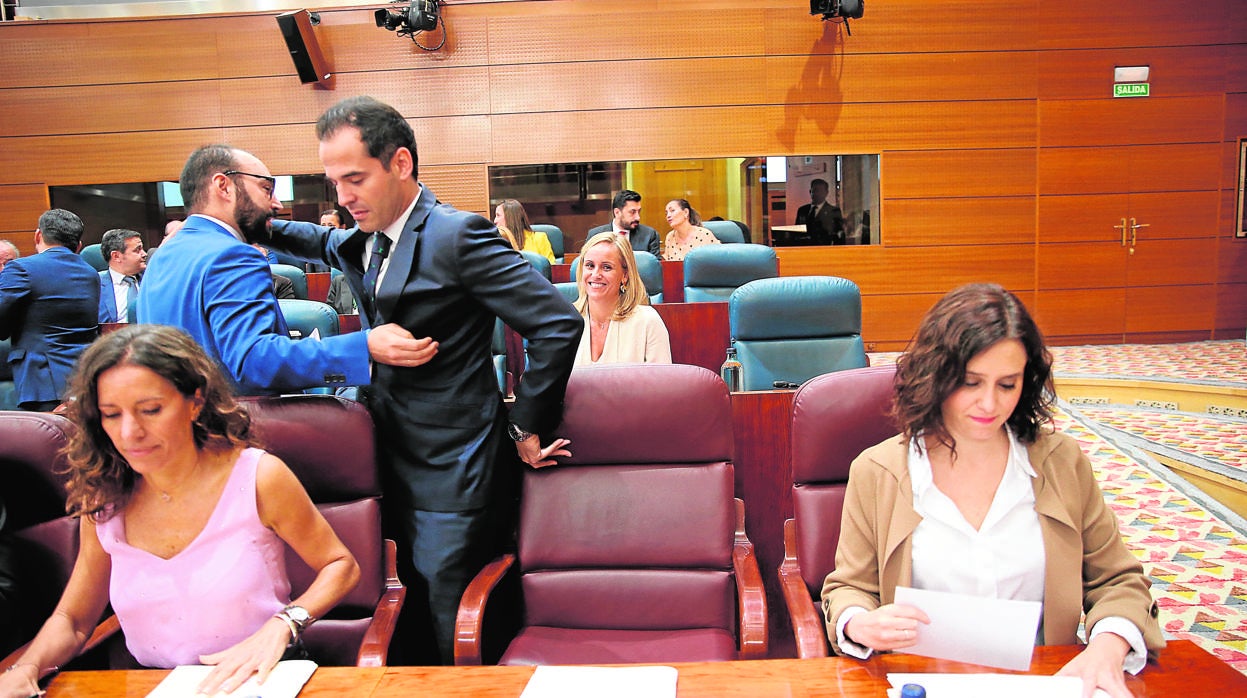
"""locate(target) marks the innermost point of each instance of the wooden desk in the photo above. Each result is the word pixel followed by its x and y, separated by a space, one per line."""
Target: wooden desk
pixel 1183 670
pixel 318 285
pixel 699 332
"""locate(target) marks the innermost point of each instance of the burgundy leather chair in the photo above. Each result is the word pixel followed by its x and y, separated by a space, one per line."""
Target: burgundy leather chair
pixel 633 550
pixel 835 417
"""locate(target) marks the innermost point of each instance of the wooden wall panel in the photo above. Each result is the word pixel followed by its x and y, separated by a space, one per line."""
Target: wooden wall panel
pixel 1176 215
pixel 1231 259
pixel 1126 23
pixel 1082 218
pixel 1082 312
pixel 959 221
pixel 1172 262
pixel 1133 121
pixel 960 173
pixel 458 185
pixel 1171 308
pixel 1232 308
pixel 1117 169
pixel 1081 265
pixel 20 208
pixel 1175 71
pixel 354 43
pixel 915 269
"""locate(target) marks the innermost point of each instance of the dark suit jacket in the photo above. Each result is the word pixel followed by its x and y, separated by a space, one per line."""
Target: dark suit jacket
pixel 827 228
pixel 450 274
pixel 220 290
pixel 49 305
pixel 643 239
pixel 108 301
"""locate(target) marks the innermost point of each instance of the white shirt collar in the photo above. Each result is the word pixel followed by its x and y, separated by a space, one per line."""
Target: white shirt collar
pixel 116 276
pixel 921 479
pixel 395 228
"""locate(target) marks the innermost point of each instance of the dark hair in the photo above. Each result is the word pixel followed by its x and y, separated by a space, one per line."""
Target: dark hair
pixel 100 480
pixel 694 218
pixel 331 212
pixel 115 241
pixel 206 161
pixel 623 197
pixel 382 129
pixel 966 321
pixel 819 180
pixel 61 227
pixel 516 221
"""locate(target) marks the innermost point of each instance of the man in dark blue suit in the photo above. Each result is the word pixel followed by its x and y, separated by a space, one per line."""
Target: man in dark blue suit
pixel 447 443
pixel 48 306
pixel 209 281
pixel 119 283
pixel 626 219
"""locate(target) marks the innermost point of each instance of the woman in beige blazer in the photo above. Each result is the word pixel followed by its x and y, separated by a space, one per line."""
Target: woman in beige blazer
pixel 977 495
pixel 620 325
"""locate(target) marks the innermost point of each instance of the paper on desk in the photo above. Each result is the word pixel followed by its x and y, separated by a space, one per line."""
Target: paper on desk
pixel 991 686
pixel 992 632
pixel 285 681
pixel 601 682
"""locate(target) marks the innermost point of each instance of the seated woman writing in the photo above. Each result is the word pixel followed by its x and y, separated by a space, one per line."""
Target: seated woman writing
pixel 620 325
pixel 183 522
pixel 978 495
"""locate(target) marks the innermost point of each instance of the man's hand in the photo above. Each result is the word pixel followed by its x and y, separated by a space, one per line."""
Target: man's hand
pixel 532 453
pixel 392 344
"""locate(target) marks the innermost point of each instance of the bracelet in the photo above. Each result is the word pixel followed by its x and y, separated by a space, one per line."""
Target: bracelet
pixel 294 628
pixel 15 665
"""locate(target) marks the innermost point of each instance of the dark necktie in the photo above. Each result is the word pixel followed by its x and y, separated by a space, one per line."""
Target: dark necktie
pixel 380 250
pixel 132 295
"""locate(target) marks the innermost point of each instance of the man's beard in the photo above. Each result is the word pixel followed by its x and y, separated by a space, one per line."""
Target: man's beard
pixel 252 221
pixel 634 225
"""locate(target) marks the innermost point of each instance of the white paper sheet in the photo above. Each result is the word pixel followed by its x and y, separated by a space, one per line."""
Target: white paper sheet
pixel 991 632
pixel 991 686
pixel 285 681
pixel 601 682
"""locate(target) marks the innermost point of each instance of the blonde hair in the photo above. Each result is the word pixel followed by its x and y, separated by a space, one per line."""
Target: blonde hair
pixel 633 293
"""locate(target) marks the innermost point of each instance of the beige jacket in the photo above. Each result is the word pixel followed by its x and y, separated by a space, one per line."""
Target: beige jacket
pixel 1079 533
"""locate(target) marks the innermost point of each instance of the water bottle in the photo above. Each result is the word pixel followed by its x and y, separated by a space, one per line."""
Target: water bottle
pixel 731 372
pixel 913 690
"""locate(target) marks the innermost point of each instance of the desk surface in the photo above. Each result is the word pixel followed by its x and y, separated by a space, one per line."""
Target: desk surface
pixel 1183 669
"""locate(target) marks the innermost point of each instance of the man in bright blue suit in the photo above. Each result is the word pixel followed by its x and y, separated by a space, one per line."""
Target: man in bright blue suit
pixel 119 283
pixel 48 306
pixel 209 281
pixel 447 444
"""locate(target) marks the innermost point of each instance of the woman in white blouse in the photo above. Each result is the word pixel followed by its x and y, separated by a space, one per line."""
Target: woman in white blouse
pixel 620 326
pixel 979 496
pixel 686 231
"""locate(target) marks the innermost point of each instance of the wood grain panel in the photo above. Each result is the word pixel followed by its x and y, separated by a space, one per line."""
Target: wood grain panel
pixel 700 332
pixel 879 270
pixel 1124 23
pixel 1156 309
pixel 25 242
pixel 1231 259
pixel 1176 214
pixel 1160 168
pixel 1232 308
pixel 1077 122
pixel 459 185
pixel 1235 116
pixel 1083 218
pixel 1175 71
pixel 963 221
pixel 1236 65
pixel 1083 312
pixel 1228 213
pixel 889 321
pixel 1116 169
pixel 354 44
pixel 1081 265
pixel 958 173
pixel 105 158
pixel 1172 262
pixel 20 208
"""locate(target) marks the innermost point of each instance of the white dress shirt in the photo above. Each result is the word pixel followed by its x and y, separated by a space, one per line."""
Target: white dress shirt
pixel 121 294
pixel 391 231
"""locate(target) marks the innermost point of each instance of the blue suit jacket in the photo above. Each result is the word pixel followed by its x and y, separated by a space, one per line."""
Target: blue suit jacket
pixel 48 306
pixel 220 290
pixel 450 275
pixel 108 300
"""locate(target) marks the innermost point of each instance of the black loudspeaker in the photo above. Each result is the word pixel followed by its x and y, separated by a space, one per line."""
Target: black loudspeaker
pixel 309 61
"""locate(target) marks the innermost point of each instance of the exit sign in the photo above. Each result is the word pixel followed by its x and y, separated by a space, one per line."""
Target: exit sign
pixel 1131 89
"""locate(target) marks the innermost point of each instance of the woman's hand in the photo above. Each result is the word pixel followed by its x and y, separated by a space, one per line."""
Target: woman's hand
pixel 532 453
pixel 257 655
pixel 1100 666
pixel 21 682
pixel 890 627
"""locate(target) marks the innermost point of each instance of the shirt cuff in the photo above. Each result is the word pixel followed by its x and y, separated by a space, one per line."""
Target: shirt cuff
pixel 1136 658
pixel 847 646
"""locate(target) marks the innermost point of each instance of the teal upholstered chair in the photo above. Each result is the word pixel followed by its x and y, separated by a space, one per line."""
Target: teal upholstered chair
pixel 794 328
pixel 94 256
pixel 726 231
pixel 304 316
pixel 298 278
pixel 712 272
pixel 569 290
pixel 539 262
pixel 556 239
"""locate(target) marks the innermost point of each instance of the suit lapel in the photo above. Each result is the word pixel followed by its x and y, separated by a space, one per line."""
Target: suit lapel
pixel 402 258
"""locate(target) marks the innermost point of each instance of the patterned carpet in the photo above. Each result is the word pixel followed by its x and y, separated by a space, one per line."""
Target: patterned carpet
pixel 1194 549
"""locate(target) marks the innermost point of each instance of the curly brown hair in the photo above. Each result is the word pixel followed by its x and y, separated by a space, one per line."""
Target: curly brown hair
pixel 962 324
pixel 100 480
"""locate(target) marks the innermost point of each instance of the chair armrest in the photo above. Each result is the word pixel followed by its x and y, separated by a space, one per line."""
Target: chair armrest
pixel 375 649
pixel 107 628
pixel 751 597
pixel 471 615
pixel 807 622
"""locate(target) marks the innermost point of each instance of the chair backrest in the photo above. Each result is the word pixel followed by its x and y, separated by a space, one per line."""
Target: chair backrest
pixel 306 316
pixel 539 262
pixel 796 327
pixel 727 231
pixel 8 389
pixel 647 266
pixel 329 444
pixel 556 239
pixel 712 272
pixel 834 418
pixel 569 289
pixel 498 353
pixel 652 515
pixel 298 278
pixel 94 255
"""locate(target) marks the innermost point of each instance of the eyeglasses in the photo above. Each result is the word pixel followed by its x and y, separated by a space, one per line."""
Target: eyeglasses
pixel 272 181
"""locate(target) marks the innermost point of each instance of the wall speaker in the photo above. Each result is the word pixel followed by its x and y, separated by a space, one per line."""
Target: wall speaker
pixel 309 61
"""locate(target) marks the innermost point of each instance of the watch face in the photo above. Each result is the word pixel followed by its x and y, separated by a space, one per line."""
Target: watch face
pixel 298 614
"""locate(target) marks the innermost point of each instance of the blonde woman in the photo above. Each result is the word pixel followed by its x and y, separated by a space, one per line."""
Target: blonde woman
pixel 620 325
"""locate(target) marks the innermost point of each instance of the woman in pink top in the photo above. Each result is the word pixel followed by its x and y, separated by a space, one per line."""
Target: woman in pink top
pixel 183 523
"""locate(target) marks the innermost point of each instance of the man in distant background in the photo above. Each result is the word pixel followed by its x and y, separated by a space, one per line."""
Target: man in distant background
pixel 49 303
pixel 119 283
pixel 339 292
pixel 8 253
pixel 824 224
pixel 626 219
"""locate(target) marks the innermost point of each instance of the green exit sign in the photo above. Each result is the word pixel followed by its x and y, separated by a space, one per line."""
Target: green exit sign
pixel 1131 89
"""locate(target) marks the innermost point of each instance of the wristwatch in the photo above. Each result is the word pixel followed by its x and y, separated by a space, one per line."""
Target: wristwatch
pixel 297 618
pixel 516 433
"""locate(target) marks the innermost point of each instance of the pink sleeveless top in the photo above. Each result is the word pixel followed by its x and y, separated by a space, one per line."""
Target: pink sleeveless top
pixel 213 594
